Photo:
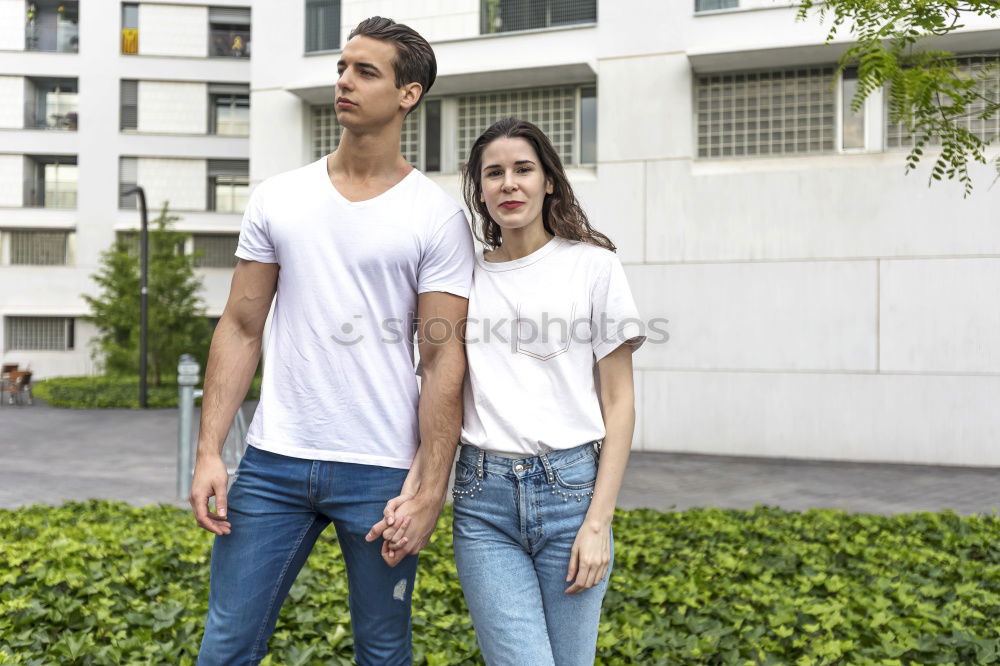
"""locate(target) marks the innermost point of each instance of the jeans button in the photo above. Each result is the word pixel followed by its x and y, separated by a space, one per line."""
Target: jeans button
pixel 519 468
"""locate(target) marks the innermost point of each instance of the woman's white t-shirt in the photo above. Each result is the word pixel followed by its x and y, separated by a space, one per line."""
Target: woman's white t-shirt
pixel 537 327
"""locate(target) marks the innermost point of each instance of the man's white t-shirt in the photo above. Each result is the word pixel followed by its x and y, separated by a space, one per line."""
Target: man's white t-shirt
pixel 339 380
pixel 537 327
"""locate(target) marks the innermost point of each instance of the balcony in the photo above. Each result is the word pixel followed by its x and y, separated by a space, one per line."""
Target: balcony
pixel 52 104
pixel 228 32
pixel 52 25
pixel 50 181
pixel 516 15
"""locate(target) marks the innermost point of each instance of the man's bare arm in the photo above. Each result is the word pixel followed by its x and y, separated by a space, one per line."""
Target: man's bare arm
pixel 232 360
pixel 442 354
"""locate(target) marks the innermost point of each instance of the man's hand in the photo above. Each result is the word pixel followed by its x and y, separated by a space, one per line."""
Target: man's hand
pixel 416 517
pixel 210 480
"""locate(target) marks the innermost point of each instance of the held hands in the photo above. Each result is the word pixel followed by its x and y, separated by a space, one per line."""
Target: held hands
pixel 406 528
pixel 590 557
pixel 211 479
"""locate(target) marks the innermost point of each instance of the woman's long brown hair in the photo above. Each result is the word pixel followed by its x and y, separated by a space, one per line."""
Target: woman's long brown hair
pixel 562 214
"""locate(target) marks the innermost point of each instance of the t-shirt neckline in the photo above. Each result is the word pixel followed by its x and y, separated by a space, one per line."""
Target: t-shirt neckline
pixel 513 264
pixel 365 202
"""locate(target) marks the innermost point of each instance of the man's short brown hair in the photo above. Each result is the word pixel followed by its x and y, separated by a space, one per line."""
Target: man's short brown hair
pixel 414 61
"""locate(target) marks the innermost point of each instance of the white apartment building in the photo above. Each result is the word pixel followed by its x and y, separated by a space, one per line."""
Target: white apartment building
pixel 97 96
pixel 821 303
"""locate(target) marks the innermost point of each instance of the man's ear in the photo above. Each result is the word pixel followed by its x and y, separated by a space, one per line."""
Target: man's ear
pixel 409 95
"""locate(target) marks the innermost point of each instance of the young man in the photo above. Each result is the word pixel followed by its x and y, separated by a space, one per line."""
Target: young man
pixel 351 248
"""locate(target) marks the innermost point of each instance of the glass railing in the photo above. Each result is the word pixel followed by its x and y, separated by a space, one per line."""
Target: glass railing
pixel 513 15
pixel 713 5
pixel 229 43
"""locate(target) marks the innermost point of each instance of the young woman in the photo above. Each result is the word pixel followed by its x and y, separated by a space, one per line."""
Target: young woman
pixel 548 393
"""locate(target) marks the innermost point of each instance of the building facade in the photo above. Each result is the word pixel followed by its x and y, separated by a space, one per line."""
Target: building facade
pixel 96 97
pixel 820 303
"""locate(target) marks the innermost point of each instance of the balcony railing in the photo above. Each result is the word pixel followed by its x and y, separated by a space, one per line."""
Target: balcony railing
pixel 512 15
pixel 713 5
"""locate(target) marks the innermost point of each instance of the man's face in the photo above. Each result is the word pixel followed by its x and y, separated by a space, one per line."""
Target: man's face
pixel 366 93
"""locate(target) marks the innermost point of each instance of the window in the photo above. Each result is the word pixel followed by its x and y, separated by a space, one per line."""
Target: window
pixel 50 182
pixel 39 333
pixel 60 186
pixel 128 177
pixel 712 5
pixel 130 29
pixel 229 32
pixel 510 15
pixel 52 25
pixel 432 135
pixel 554 110
pixel 852 125
pixel 326 132
pixel 216 250
pixel 777 112
pixel 322 25
pixel 54 103
pixel 588 125
pixel 38 248
pixel 986 69
pixel 129 112
pixel 228 185
pixel 229 109
pixel 130 239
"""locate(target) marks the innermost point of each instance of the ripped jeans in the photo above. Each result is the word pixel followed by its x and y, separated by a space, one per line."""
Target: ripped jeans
pixel 278 506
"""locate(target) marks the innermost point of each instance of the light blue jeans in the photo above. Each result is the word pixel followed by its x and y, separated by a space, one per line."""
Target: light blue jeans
pixel 514 527
pixel 278 506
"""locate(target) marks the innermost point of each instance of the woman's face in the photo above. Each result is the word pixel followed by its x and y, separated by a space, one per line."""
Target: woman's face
pixel 513 183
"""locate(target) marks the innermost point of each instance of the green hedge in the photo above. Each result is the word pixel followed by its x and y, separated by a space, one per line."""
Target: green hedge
pixel 106 583
pixel 109 391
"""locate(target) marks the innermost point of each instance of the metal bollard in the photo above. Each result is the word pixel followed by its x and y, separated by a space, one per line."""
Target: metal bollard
pixel 187 379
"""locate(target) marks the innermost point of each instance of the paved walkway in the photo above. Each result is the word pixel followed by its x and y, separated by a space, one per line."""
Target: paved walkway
pixel 52 455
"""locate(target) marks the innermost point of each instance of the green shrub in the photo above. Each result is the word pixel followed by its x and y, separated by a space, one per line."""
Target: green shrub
pixel 105 583
pixel 108 391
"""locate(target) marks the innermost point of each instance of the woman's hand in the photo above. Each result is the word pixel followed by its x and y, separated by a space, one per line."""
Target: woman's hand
pixel 591 555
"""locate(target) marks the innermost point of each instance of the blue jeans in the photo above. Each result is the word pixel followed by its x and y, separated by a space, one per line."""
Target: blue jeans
pixel 514 527
pixel 277 507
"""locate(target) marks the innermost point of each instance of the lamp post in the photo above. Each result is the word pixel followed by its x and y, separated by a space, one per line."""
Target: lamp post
pixel 143 293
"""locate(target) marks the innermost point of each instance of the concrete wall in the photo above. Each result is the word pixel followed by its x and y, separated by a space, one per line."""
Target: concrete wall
pixel 12 110
pixel 11 180
pixel 13 14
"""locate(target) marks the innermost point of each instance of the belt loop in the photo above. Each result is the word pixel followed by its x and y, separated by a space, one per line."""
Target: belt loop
pixel 548 467
pixel 479 464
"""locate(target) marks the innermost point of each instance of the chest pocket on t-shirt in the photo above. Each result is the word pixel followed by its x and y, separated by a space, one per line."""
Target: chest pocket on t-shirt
pixel 544 330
